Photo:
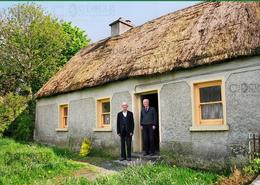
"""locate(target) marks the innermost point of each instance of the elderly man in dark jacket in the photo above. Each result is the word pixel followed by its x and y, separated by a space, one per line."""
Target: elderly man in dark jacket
pixel 125 129
pixel 148 125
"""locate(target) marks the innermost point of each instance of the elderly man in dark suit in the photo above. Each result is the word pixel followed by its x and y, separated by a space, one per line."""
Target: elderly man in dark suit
pixel 148 125
pixel 125 129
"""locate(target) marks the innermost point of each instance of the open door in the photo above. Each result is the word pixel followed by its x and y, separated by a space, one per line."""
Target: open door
pixel 138 137
pixel 153 102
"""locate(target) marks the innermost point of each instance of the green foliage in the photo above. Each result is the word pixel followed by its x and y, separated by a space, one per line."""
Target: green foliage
pixel 85 147
pixel 22 127
pixel 11 106
pixel 28 163
pixel 253 168
pixel 160 174
pixel 34 46
pixel 31 41
pixel 76 181
pixel 64 152
pixel 76 39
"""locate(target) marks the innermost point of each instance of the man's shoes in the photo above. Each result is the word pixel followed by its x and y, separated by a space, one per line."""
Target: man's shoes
pixel 145 154
pixel 128 159
pixel 151 154
pixel 121 159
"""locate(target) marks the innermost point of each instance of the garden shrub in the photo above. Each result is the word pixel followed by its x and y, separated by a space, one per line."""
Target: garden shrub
pixel 11 106
pixel 253 168
pixel 24 126
pixel 21 128
pixel 85 147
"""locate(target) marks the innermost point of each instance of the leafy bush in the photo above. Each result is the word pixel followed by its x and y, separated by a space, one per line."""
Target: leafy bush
pixel 253 167
pixel 85 147
pixel 22 127
pixel 11 106
pixel 26 164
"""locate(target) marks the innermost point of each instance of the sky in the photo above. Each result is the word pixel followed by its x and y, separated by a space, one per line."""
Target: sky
pixel 95 17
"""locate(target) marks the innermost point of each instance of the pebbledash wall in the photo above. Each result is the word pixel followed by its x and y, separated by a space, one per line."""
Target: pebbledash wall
pixel 241 79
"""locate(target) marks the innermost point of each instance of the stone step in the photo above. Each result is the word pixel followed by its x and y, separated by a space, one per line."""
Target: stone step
pixel 147 157
pixel 134 161
pixel 138 159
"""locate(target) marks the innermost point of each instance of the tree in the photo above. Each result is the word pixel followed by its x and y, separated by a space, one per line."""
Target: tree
pixel 33 47
pixel 77 39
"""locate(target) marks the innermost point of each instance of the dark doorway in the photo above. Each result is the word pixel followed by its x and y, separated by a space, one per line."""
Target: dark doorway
pixel 153 99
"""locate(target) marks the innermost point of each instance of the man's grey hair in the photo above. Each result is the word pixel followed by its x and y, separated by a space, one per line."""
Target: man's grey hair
pixel 146 100
pixel 124 103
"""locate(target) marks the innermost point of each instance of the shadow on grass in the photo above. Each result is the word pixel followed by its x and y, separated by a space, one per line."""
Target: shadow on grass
pixel 97 156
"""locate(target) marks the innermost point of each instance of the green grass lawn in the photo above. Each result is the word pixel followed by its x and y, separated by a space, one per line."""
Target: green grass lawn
pixel 160 174
pixel 36 164
pixel 29 163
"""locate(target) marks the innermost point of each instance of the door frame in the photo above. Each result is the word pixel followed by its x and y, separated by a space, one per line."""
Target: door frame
pixel 137 105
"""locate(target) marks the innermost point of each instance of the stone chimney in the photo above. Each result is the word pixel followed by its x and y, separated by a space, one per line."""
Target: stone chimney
pixel 120 26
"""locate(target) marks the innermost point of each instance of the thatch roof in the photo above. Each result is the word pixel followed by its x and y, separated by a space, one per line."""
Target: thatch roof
pixel 202 34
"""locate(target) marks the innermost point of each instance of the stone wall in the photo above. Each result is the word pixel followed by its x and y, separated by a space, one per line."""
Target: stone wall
pixel 189 148
pixel 202 149
pixel 243 110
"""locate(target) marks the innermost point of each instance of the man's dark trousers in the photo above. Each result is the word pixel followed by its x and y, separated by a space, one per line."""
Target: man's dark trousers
pixel 125 128
pixel 125 140
pixel 148 134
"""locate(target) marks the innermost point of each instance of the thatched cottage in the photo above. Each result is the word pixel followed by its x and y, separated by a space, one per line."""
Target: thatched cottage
pixel 200 68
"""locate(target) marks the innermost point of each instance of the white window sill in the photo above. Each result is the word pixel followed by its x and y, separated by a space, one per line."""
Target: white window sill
pixel 102 129
pixel 61 129
pixel 198 128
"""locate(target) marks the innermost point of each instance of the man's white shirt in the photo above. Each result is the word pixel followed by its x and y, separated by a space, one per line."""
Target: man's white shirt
pixel 125 113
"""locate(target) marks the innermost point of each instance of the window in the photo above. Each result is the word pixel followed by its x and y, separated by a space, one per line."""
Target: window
pixel 64 109
pixel 104 113
pixel 208 103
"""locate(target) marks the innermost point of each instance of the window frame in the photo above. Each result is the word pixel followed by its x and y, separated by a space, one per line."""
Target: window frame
pixel 100 113
pixel 61 116
pixel 198 103
pixel 207 124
